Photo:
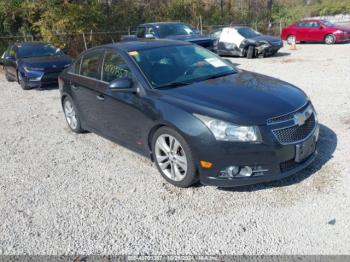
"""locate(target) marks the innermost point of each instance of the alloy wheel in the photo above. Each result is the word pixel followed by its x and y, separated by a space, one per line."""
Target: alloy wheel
pixel 70 114
pixel 171 157
pixel 329 39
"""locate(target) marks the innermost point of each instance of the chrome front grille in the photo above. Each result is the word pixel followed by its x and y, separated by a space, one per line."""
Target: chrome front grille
pixel 296 133
pixel 286 117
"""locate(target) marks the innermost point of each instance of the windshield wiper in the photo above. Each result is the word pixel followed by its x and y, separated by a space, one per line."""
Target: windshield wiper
pixel 214 76
pixel 173 84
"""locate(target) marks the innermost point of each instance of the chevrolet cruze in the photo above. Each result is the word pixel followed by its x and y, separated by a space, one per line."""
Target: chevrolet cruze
pixel 196 115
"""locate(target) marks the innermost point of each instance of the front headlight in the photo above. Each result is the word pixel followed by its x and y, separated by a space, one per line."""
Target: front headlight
pixel 29 69
pixel 229 132
pixel 339 32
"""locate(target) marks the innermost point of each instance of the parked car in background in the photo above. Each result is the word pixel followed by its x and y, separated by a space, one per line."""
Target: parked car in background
pixel 193 113
pixel 244 41
pixel 34 64
pixel 173 31
pixel 315 30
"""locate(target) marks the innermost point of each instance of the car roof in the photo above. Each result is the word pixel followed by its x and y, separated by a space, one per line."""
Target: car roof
pixel 144 44
pixel 161 23
pixel 235 27
pixel 310 20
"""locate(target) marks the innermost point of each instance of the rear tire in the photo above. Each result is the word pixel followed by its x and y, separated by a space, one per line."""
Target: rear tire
pixel 71 115
pixel 250 52
pixel 173 158
pixel 329 39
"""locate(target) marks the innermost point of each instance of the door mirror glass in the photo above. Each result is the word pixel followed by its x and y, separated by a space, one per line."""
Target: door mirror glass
pixel 121 84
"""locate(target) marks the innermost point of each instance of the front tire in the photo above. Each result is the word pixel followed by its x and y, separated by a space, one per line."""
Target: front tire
pixel 174 158
pixel 21 82
pixel 250 52
pixel 71 115
pixel 329 39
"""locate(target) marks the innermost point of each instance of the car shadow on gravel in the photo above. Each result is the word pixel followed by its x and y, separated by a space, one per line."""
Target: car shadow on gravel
pixel 280 54
pixel 46 88
pixel 326 147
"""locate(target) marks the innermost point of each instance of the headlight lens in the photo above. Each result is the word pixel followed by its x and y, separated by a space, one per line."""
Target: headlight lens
pixel 339 32
pixel 28 68
pixel 229 132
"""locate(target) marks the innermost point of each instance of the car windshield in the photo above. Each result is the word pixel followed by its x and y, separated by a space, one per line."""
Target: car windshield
pixel 37 50
pixel 247 32
pixel 328 23
pixel 172 66
pixel 165 30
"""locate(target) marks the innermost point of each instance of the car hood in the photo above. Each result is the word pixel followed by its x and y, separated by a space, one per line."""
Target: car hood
pixel 271 39
pixel 190 38
pixel 244 98
pixel 47 62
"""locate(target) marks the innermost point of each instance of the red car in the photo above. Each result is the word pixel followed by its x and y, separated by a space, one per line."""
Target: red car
pixel 315 30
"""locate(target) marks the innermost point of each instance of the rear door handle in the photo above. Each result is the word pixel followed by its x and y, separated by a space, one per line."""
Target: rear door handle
pixel 100 97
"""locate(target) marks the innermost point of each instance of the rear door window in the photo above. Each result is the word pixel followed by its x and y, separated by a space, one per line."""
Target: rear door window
pixel 90 66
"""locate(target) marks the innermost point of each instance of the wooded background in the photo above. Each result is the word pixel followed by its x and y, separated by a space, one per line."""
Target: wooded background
pixel 67 23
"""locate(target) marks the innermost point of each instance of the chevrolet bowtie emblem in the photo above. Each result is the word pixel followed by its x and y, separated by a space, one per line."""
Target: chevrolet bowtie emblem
pixel 299 119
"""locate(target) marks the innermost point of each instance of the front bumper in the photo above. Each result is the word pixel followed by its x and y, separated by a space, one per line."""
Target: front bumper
pixel 269 161
pixel 268 50
pixel 41 79
pixel 339 38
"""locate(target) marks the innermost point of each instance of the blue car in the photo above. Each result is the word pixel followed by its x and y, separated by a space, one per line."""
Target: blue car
pixel 34 64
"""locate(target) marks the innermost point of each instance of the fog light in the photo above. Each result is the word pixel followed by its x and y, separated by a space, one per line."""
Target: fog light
pixel 230 171
pixel 246 171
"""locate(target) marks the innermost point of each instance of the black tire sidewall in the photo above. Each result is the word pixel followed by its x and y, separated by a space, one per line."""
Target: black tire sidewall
pixel 191 175
pixel 21 82
pixel 250 52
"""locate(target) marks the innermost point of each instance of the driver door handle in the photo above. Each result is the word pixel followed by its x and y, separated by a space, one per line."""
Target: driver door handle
pixel 100 97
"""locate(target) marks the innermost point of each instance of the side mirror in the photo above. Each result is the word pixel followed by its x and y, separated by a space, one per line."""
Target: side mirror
pixel 321 27
pixel 9 57
pixel 122 85
pixel 149 36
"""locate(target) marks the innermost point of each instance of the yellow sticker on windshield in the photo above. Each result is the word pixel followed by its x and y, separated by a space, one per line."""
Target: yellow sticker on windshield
pixel 133 53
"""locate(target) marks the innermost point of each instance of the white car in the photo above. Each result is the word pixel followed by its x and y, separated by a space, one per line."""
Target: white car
pixel 244 41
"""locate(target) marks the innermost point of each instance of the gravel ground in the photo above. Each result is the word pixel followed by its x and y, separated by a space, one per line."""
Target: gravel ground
pixel 63 193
